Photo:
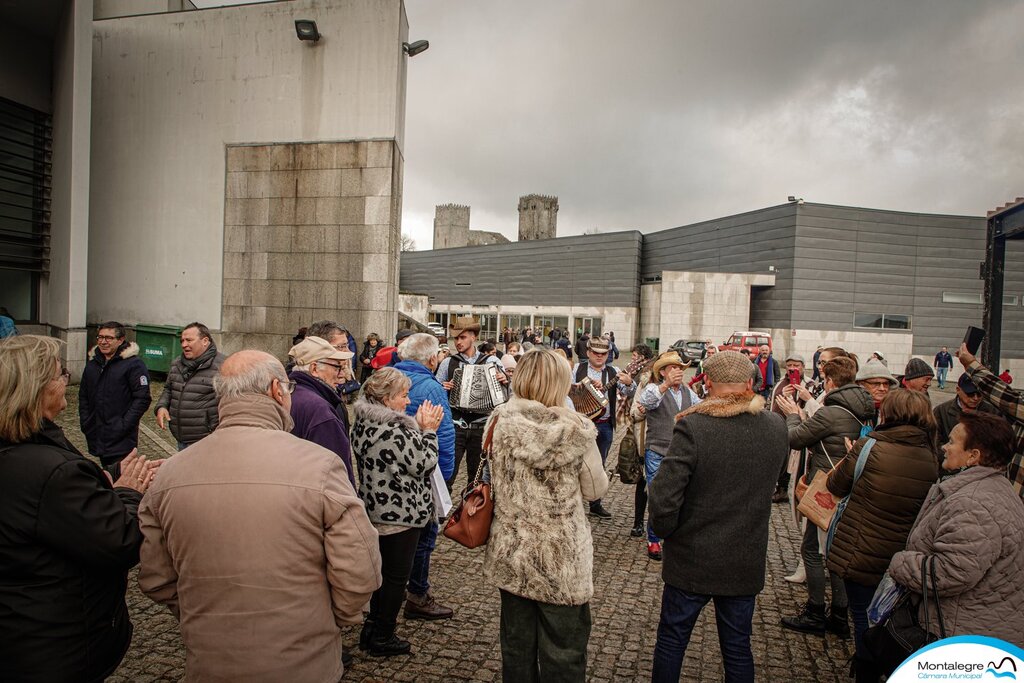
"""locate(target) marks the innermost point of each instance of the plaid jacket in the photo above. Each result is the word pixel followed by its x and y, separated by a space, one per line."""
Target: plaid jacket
pixel 1010 403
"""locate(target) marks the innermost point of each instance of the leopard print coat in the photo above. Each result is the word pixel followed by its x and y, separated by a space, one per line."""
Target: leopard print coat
pixel 395 460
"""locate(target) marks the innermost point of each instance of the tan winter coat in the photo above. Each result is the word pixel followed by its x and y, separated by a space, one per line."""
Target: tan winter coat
pixel 256 541
pixel 544 465
pixel 973 524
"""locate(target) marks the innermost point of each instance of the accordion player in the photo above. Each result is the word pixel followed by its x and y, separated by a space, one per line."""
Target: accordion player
pixel 476 389
pixel 587 399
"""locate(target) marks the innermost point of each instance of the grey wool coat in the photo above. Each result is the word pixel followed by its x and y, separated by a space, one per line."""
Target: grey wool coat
pixel 712 496
pixel 973 524
pixel 544 464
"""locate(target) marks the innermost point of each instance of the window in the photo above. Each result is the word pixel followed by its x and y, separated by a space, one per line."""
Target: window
pixel 971 298
pixel 886 321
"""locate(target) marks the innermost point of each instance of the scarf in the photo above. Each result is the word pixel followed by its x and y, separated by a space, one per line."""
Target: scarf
pixel 189 367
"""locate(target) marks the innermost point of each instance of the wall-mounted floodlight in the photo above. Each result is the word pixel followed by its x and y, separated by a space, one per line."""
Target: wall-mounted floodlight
pixel 306 29
pixel 413 49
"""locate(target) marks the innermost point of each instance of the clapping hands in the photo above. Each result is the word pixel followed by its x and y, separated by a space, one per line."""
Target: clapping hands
pixel 429 416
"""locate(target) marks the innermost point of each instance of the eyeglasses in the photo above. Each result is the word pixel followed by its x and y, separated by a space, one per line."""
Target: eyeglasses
pixel 332 365
pixel 287 385
pixel 105 337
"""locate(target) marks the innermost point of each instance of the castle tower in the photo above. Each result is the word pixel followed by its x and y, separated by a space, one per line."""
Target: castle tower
pixel 451 226
pixel 538 217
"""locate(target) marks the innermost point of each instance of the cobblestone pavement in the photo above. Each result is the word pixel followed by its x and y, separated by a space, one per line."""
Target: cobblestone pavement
pixel 627 592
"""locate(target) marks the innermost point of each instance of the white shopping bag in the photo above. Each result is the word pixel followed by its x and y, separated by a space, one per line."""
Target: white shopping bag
pixel 442 501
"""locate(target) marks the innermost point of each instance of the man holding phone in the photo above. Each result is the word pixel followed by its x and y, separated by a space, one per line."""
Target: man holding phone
pixel 795 385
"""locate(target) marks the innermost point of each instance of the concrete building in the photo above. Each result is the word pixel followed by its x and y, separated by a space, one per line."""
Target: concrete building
pixel 179 164
pixel 538 217
pixel 903 284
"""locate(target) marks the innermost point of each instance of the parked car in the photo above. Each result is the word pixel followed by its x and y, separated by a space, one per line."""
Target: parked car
pixel 750 341
pixel 692 350
pixel 438 332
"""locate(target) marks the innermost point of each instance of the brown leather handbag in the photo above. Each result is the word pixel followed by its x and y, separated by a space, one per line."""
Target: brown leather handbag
pixel 470 522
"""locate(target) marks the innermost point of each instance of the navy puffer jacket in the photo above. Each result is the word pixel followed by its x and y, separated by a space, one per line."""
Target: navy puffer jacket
pixel 112 398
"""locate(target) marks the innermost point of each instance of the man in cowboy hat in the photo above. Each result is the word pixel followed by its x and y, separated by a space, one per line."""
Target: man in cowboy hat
pixel 663 398
pixel 604 378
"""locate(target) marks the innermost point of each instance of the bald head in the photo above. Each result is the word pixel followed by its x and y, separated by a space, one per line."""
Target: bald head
pixel 248 372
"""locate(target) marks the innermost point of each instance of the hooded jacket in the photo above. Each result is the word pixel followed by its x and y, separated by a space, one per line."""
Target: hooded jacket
pixel 845 411
pixel 67 541
pixel 315 414
pixel 260 547
pixel 396 459
pixel 972 523
pixel 544 465
pixel 884 503
pixel 711 499
pixel 112 398
pixel 189 397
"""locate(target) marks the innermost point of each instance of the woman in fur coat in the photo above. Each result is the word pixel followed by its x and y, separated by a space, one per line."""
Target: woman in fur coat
pixel 396 455
pixel 544 464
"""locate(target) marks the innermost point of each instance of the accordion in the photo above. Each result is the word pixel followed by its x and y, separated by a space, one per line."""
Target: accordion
pixel 587 399
pixel 476 389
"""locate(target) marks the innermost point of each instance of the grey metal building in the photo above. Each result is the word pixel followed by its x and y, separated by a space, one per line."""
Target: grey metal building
pixel 867 278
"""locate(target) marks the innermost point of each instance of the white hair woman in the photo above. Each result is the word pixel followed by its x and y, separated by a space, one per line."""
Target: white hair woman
pixel 67 535
pixel 544 464
pixel 396 455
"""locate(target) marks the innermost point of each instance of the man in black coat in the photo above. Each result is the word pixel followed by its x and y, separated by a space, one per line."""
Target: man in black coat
pixel 711 501
pixel 113 397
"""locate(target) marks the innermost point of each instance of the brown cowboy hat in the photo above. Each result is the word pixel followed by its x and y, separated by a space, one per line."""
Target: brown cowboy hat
pixel 666 359
pixel 465 323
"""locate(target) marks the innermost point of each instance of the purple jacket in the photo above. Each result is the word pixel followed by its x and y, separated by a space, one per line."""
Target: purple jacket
pixel 313 411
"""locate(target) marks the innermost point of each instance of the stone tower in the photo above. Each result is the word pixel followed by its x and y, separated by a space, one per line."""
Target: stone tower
pixel 538 217
pixel 451 226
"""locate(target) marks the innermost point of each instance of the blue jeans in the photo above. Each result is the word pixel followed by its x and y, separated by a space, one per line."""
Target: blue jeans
pixel 679 612
pixel 605 434
pixel 652 461
pixel 941 376
pixel 419 579
pixel 860 597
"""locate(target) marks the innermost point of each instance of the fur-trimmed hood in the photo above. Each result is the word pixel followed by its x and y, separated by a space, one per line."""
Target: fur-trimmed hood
pixel 729 405
pixel 127 351
pixel 542 437
pixel 375 412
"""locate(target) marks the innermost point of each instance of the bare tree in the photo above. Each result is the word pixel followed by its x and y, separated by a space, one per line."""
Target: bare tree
pixel 408 243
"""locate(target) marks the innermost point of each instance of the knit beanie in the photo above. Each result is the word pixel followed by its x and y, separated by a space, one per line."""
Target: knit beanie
pixel 728 367
pixel 917 368
pixel 873 369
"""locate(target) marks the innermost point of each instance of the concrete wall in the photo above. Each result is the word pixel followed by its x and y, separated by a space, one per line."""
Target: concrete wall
pixel 170 91
pixel 62 301
pixel 415 306
pixel 650 312
pixel 706 305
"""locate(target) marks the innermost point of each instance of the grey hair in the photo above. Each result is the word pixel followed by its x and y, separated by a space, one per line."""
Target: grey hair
pixel 323 329
pixel 255 380
pixel 419 347
pixel 527 346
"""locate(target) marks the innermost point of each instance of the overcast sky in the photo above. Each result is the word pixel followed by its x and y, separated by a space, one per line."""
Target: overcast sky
pixel 649 115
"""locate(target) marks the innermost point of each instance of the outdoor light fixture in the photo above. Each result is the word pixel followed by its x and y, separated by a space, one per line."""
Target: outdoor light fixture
pixel 305 29
pixel 413 49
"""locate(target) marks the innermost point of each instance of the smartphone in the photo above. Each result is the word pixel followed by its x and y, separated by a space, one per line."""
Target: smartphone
pixel 795 377
pixel 973 339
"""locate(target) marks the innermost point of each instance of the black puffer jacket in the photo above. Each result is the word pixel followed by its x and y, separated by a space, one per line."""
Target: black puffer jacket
pixel 67 541
pixel 189 397
pixel 112 398
pixel 844 412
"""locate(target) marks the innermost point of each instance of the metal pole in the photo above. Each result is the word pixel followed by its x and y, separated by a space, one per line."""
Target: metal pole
pixel 992 319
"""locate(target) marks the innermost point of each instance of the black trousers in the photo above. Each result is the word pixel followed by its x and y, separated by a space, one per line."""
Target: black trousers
pixel 543 642
pixel 397 552
pixel 468 444
pixel 639 501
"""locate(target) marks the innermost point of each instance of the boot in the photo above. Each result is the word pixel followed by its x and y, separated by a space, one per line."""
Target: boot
pixel 366 634
pixel 837 622
pixel 799 574
pixel 384 643
pixel 780 495
pixel 810 620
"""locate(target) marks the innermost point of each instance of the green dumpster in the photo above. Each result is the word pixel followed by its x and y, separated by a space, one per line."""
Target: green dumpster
pixel 158 345
pixel 652 342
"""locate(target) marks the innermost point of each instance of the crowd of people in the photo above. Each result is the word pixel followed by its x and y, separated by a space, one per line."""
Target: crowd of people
pixel 303 499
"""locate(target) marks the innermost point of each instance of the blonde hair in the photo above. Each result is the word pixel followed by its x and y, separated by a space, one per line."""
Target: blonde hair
pixel 26 367
pixel 384 384
pixel 542 375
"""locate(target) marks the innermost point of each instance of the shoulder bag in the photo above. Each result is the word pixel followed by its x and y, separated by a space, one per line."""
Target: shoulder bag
pixel 470 523
pixel 862 460
pixel 901 634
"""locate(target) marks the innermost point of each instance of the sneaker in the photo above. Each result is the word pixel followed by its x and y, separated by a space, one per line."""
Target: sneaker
pixel 810 620
pixel 599 511
pixel 654 551
pixel 425 607
pixel 799 574
pixel 637 531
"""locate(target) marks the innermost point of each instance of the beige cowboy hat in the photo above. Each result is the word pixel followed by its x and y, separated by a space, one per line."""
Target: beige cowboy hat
pixel 465 323
pixel 666 359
